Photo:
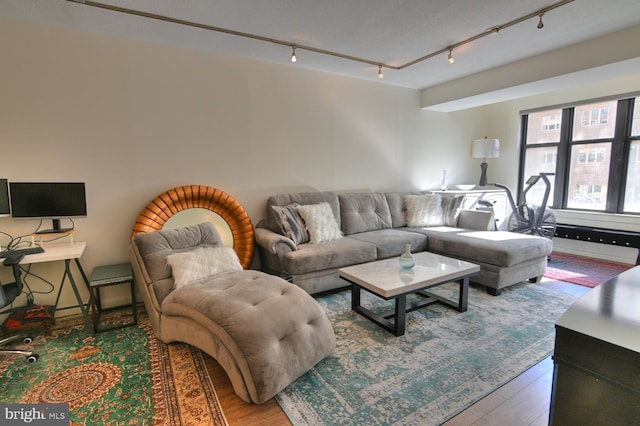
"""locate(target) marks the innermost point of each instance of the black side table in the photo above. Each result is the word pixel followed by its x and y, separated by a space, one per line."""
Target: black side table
pixel 111 275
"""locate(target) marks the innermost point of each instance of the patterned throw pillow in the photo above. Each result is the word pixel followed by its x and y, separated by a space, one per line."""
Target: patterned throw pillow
pixel 321 222
pixel 451 209
pixel 291 224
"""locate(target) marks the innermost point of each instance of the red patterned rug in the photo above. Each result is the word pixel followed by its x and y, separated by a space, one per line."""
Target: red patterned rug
pixel 585 271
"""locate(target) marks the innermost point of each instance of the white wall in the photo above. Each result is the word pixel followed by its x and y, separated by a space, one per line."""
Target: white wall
pixel 133 119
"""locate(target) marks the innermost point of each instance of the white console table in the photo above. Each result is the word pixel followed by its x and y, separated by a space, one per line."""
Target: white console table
pixel 67 252
pixel 496 196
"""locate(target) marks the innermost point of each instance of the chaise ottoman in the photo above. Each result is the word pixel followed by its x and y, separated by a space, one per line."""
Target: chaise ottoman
pixel 505 258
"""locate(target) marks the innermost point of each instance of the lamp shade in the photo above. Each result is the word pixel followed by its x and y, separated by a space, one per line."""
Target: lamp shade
pixel 486 148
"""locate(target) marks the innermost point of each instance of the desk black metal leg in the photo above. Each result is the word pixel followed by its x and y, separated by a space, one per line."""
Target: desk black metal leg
pixel 59 291
pixel 81 305
pixel 133 301
pixel 92 298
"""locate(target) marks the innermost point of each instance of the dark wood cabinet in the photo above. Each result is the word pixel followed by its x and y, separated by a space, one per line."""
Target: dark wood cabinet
pixel 597 357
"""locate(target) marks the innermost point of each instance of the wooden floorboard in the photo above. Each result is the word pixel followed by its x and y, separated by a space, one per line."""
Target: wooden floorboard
pixel 522 402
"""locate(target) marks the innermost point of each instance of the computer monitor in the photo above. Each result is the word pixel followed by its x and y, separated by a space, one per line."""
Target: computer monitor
pixel 48 200
pixel 4 198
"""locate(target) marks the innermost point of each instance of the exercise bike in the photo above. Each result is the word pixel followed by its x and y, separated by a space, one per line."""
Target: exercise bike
pixel 529 218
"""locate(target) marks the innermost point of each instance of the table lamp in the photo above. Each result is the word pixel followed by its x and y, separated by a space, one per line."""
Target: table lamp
pixel 485 148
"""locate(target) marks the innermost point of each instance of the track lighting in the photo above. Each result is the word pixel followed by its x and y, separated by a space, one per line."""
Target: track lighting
pixel 492 30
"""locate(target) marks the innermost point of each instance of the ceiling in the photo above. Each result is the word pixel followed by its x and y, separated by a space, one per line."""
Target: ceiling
pixel 390 32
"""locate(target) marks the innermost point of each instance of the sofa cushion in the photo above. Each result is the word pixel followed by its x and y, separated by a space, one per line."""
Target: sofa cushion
pixel 202 262
pixel 320 222
pixel 329 255
pixel 361 212
pixel 291 223
pixel 499 248
pixel 478 220
pixel 391 242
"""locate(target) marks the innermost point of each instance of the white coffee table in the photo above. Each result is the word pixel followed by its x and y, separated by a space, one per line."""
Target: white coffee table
pixel 386 279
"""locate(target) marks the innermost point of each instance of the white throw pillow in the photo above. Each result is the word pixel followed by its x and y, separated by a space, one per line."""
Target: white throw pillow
pixel 202 262
pixel 424 210
pixel 321 223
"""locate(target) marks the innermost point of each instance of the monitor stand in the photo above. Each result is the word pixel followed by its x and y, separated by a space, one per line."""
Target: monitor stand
pixel 55 230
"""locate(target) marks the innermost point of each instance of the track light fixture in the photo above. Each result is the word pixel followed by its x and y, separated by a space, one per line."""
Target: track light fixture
pixel 451 60
pixel 493 30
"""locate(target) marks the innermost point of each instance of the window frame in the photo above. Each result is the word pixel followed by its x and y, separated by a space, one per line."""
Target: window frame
pixel 620 152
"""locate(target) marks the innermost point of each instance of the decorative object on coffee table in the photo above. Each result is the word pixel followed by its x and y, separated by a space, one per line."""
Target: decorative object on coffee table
pixel 407 261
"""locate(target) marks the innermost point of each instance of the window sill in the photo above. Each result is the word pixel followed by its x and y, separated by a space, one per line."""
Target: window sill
pixel 615 221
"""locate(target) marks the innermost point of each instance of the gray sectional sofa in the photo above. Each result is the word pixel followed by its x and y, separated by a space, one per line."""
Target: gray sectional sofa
pixel 376 225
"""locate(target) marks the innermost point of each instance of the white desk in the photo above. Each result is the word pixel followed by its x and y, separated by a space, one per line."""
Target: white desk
pixel 65 251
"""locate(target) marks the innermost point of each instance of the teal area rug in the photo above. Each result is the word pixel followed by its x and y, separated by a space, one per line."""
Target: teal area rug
pixel 445 362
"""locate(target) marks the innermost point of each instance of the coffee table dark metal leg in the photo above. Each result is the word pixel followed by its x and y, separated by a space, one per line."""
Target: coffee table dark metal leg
pixel 355 296
pixel 397 316
pixel 463 297
pixel 400 315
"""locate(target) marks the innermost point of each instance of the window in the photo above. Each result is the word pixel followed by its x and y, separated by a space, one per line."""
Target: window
pixel 549 158
pixel 594 156
pixel 594 117
pixel 582 156
pixel 586 176
pixel 551 122
pixel 584 147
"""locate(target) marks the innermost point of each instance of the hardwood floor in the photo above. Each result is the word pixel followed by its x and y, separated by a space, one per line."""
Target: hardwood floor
pixel 522 402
